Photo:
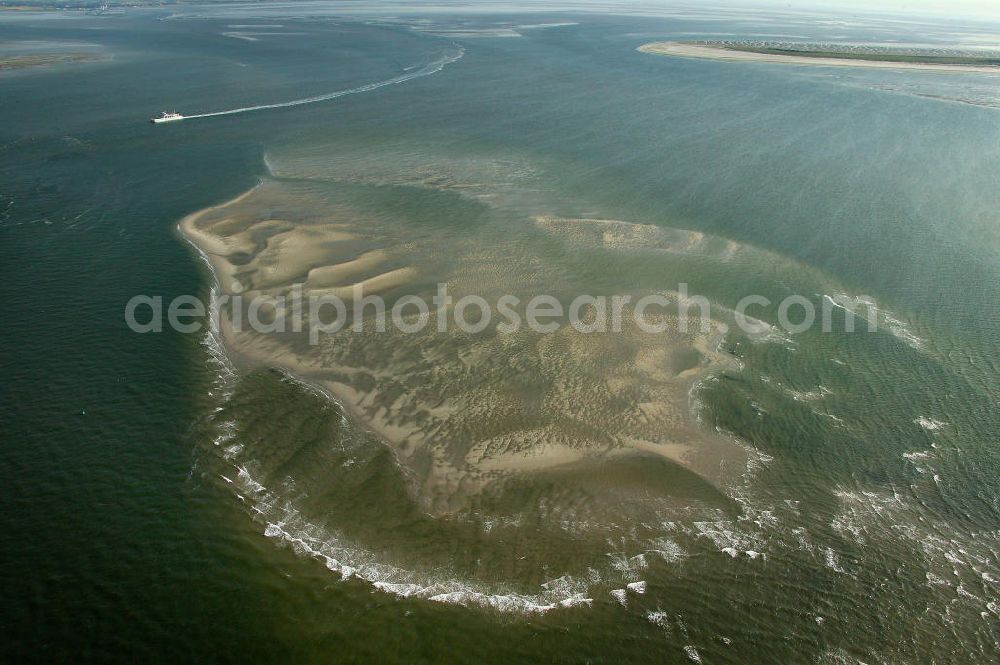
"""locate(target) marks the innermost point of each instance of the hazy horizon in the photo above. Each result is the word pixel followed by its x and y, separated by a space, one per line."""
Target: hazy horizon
pixel 896 7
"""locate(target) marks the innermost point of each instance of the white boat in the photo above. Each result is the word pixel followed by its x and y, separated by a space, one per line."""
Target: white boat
pixel 167 117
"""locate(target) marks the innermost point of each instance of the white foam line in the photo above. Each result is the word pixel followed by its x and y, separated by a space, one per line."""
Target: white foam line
pixel 284 523
pixel 428 69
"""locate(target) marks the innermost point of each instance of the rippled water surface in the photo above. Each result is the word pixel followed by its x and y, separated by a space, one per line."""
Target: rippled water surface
pixel 713 497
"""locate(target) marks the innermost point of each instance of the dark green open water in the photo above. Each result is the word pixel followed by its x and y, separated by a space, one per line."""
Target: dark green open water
pixel 868 525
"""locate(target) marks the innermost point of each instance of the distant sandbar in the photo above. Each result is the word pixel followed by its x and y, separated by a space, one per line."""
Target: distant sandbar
pixel 735 53
pixel 44 59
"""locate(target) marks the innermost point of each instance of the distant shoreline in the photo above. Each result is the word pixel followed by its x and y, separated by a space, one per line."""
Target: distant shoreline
pixel 815 58
pixel 16 62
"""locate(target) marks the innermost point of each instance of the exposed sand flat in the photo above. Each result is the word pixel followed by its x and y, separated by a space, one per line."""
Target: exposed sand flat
pixel 217 247
pixel 538 458
pixel 733 55
pixel 373 285
pixel 291 254
pixel 336 274
pixel 675 452
pixel 467 412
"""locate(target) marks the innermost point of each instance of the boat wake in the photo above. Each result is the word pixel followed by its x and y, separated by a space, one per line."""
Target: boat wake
pixel 432 67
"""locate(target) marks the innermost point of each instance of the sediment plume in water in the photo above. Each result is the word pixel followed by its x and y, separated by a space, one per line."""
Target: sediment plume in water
pixel 508 468
pixel 513 469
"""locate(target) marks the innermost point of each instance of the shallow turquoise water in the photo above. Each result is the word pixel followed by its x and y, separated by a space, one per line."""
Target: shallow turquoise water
pixel 873 503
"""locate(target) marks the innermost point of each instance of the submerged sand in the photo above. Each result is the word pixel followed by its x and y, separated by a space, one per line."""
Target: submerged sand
pixel 710 52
